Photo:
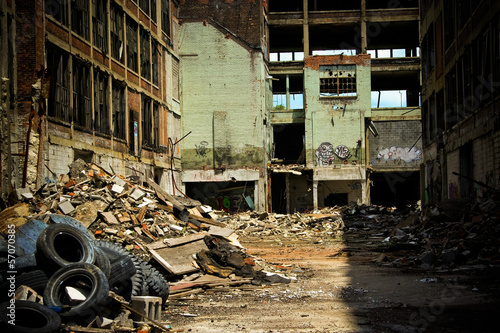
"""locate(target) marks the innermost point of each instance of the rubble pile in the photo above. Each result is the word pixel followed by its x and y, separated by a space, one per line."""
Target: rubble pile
pixel 326 222
pixel 92 243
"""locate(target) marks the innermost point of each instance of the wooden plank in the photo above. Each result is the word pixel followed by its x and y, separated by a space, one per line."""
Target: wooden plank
pixel 171 242
pixel 178 260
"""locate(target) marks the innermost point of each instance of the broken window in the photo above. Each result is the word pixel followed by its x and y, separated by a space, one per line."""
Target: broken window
pixel 58 10
pixel 451 98
pixel 117 33
pixel 146 122
pixel 156 125
pixel 165 17
pixel 144 5
pixel 82 103
pixel 154 60
pixel 132 58
pixel 152 15
pixel 100 24
pixel 80 18
pixel 118 95
pixel 57 63
pixel 145 55
pixel 101 112
pixel 337 80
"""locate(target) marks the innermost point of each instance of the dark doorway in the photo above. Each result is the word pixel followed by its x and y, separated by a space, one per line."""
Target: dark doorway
pixel 395 188
pixel 278 192
pixel 336 199
pixel 289 143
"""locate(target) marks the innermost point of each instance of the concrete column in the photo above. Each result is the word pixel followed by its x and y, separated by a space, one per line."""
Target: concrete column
pixel 305 25
pixel 287 191
pixel 363 27
pixel 315 194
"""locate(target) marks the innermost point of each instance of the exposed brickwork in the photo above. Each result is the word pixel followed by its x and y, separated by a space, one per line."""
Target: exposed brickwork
pixel 243 19
pixel 315 62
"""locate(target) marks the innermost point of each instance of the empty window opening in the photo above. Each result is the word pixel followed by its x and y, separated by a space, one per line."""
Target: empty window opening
pixel 100 24
pixel 80 18
pixel 296 101
pixel 389 99
pixel 334 52
pixel 289 143
pixel 119 119
pixel 145 55
pixel 82 103
pixel 165 17
pixel 337 80
pixel 59 96
pixel 116 31
pixel 132 56
pixel 101 111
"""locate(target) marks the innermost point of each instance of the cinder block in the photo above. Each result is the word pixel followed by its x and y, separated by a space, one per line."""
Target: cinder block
pixel 149 306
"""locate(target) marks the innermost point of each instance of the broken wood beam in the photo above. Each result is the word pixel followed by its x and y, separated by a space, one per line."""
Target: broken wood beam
pixel 179 209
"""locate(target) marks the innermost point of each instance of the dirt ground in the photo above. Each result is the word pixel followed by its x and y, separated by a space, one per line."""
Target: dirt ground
pixel 338 287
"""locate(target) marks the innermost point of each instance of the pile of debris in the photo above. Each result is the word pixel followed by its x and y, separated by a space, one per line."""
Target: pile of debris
pixel 123 238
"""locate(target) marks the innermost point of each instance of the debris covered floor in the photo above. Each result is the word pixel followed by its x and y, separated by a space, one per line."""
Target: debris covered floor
pixel 99 252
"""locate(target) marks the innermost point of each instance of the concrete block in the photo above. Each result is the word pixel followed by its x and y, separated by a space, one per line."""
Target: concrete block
pixel 66 207
pixel 149 306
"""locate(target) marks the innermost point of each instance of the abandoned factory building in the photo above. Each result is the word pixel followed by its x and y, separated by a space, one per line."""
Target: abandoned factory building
pixel 254 104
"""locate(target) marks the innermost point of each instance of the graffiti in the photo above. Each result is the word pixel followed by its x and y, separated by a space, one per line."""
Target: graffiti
pixel 354 185
pixel 201 149
pixel 324 154
pixel 395 153
pixel 230 204
pixel 342 152
pixel 453 191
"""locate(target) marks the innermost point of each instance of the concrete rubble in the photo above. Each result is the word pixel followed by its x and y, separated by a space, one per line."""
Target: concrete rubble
pixel 196 249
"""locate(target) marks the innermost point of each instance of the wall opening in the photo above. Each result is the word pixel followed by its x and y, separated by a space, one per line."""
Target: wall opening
pixel 289 143
pixel 230 197
pixel 278 193
pixel 395 188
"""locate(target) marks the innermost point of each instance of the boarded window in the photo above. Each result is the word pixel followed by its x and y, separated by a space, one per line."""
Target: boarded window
pixel 338 80
pixel 116 31
pixel 100 24
pixel 132 58
pixel 145 55
pixel 80 18
pixel 101 111
pixel 57 63
pixel 119 122
pixel 82 103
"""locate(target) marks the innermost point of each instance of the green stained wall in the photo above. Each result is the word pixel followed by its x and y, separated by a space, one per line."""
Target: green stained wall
pixel 335 126
pixel 224 100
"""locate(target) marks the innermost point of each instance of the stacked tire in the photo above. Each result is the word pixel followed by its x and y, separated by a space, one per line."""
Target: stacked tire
pixel 68 263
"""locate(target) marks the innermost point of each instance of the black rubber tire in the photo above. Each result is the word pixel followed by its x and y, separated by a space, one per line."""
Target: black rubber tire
pixel 68 220
pixel 155 283
pixel 102 261
pixel 123 286
pixel 86 276
pixel 122 269
pixel 30 317
pixel 36 280
pixel 59 245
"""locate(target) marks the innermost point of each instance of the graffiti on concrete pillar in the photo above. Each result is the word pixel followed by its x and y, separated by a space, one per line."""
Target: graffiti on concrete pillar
pixel 324 154
pixel 342 152
pixel 395 153
pixel 201 149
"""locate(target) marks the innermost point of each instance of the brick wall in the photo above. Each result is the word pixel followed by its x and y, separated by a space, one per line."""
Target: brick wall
pixel 391 148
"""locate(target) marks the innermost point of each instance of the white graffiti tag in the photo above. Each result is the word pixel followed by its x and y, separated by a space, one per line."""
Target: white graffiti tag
pixel 324 154
pixel 404 154
pixel 342 152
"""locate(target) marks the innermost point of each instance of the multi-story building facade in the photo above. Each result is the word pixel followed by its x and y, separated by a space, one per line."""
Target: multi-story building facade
pixel 347 81
pixel 295 132
pixel 460 98
pixel 96 80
